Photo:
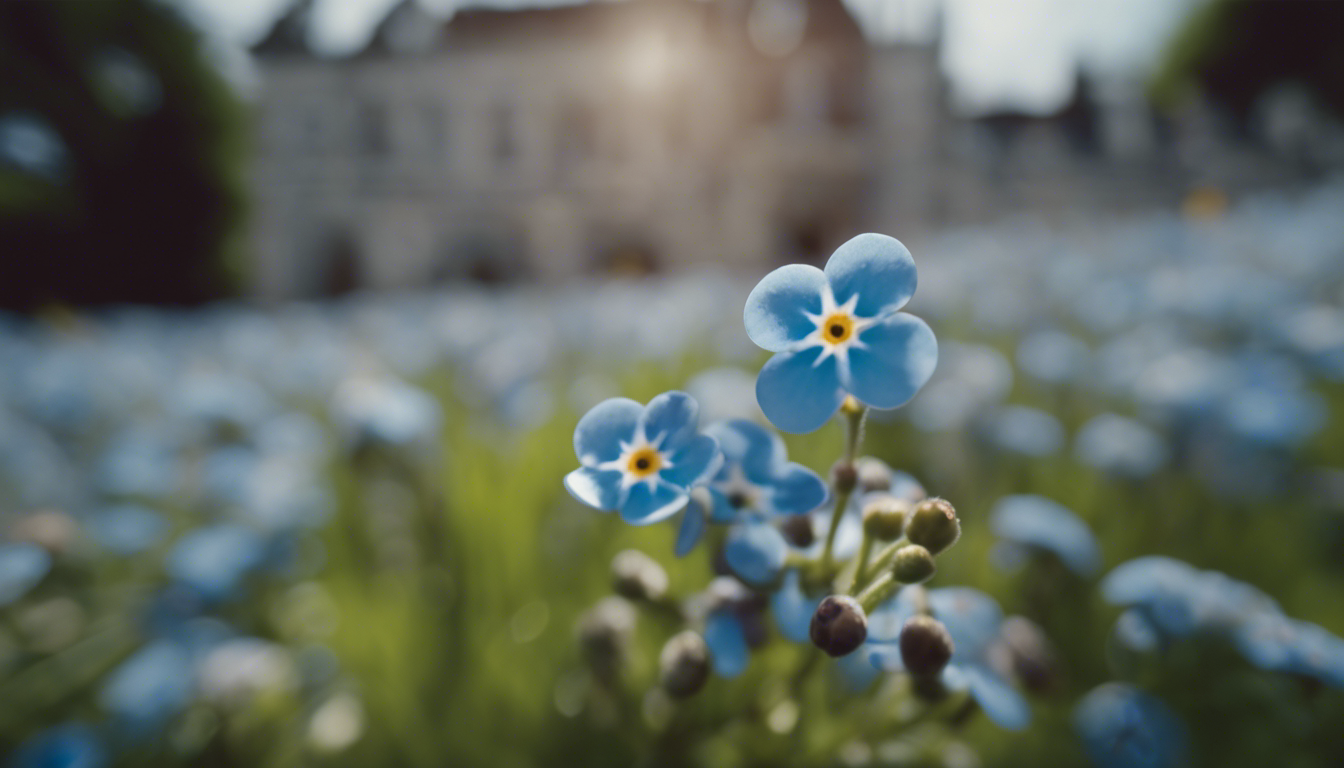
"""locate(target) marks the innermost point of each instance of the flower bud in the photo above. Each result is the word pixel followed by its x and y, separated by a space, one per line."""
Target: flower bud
pixel 844 476
pixel 636 576
pixel 926 646
pixel 605 631
pixel 933 525
pixel 874 474
pixel 798 530
pixel 913 565
pixel 884 517
pixel 839 626
pixel 684 665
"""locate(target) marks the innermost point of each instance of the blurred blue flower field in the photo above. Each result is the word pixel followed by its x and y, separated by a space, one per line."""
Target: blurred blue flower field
pixel 338 533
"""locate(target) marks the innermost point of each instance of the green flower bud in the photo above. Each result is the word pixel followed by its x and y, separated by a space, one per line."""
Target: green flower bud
pixel 684 665
pixel 839 626
pixel 926 646
pixel 637 576
pixel 933 525
pixel 844 476
pixel 913 565
pixel 874 474
pixel 884 516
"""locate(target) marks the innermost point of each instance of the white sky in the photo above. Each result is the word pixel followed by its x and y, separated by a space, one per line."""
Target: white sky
pixel 1016 54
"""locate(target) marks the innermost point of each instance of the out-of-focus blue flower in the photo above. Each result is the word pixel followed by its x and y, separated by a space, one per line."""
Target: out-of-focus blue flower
pixel 1168 598
pixel 127 529
pixel 1053 356
pixel 214 560
pixel 140 461
pixel 727 643
pixel 22 566
pixel 755 482
pixel 151 686
pixel 839 331
pixel 793 609
pixel 1038 522
pixel 756 552
pixel 757 477
pixel 1123 727
pixel 385 413
pixel 1120 445
pixel 1282 644
pixel 973 620
pixel 642 460
pixel 69 745
pixel 1024 430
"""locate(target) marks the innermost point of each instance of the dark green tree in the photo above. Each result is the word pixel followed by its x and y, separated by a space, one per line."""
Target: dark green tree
pixel 121 150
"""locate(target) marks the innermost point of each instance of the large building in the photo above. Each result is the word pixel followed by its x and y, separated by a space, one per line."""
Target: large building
pixel 635 136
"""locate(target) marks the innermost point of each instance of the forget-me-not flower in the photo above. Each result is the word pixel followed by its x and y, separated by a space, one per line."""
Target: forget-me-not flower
pixel 642 460
pixel 839 331
pixel 755 483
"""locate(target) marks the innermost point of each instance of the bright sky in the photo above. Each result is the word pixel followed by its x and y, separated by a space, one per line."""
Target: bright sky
pixel 1016 54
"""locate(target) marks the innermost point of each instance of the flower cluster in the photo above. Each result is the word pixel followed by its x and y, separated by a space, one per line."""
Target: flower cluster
pixel 838 567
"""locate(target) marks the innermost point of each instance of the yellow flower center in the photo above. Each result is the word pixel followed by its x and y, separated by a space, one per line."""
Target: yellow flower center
pixel 837 328
pixel 644 462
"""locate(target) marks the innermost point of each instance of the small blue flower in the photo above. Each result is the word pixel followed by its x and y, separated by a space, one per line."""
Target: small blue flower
pixel 214 560
pixel 69 745
pixel 755 482
pixel 839 331
pixel 151 686
pixel 641 460
pixel 973 620
pixel 1024 430
pixel 1123 727
pixel 1038 522
pixel 127 529
pixel 756 551
pixel 22 566
pixel 1120 445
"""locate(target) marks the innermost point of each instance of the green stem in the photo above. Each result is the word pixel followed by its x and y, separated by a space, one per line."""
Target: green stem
pixel 874 594
pixel 861 570
pixel 887 554
pixel 854 413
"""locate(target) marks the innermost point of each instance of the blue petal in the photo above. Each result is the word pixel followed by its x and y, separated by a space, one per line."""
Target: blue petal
pixel 696 463
pixel 673 415
pixel 723 512
pixel 1001 702
pixel 885 656
pixel 972 619
pixel 756 449
pixel 793 609
pixel 878 268
pixel 796 395
pixel 727 644
pixel 598 436
pixel 797 490
pixel 899 358
pixel 776 311
pixel 644 506
pixel 756 552
pixel 692 529
pixel 22 566
pixel 597 488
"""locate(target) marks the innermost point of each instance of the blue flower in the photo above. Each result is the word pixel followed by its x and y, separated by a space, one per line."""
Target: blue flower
pixel 839 331
pixel 755 482
pixel 214 560
pixel 642 460
pixel 1024 430
pixel 1123 727
pixel 973 620
pixel 127 529
pixel 69 745
pixel 1119 445
pixel 22 566
pixel 1038 522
